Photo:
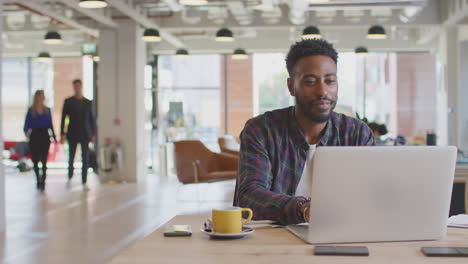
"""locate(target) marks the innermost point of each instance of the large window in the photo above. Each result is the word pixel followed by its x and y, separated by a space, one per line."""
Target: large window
pixel 270 89
pixel 21 78
pixel 189 98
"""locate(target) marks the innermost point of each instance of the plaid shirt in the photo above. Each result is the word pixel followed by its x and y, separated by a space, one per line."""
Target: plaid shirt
pixel 272 157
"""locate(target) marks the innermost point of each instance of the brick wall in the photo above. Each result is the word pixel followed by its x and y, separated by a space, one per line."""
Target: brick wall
pixel 416 93
pixel 239 95
pixel 66 69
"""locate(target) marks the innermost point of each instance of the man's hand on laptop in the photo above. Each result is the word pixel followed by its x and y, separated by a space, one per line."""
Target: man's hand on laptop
pixel 305 211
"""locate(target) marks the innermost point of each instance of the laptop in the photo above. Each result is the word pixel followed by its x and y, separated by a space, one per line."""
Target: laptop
pixel 377 194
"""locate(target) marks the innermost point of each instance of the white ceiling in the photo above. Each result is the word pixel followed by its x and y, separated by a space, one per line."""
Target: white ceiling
pixel 258 25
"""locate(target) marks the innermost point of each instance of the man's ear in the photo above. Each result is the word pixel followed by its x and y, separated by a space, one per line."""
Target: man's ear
pixel 291 86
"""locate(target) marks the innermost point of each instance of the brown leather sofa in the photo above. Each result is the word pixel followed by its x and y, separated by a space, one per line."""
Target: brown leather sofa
pixel 228 144
pixel 196 163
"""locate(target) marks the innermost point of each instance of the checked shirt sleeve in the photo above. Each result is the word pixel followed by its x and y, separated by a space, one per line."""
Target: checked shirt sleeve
pixel 255 180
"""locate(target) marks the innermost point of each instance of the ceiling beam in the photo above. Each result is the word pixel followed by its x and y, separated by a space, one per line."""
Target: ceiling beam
pixel 426 35
pixel 143 20
pixel 56 16
pixel 173 5
pixel 240 13
pixel 94 14
pixel 175 23
pixel 457 11
pixel 275 42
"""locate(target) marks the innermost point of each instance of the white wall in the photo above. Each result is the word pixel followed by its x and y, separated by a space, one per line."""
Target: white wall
pixel 2 175
pixel 463 32
pixel 120 95
pixel 449 57
pixel 463 96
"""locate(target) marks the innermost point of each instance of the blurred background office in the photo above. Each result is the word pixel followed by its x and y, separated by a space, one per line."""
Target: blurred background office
pixel 161 72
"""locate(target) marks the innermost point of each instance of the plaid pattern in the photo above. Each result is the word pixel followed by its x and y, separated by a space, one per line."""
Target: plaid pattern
pixel 272 157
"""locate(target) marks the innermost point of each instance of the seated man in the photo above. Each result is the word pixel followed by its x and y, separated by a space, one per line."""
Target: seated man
pixel 277 147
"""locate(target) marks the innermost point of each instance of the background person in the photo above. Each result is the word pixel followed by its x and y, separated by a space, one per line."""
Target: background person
pixel 37 125
pixel 81 129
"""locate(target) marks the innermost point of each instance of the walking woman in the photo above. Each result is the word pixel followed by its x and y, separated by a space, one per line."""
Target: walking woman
pixel 37 125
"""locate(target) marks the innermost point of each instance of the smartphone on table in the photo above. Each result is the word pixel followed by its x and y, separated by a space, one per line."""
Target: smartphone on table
pixel 177 230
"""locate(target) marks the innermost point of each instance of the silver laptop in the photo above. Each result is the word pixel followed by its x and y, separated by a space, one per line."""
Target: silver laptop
pixel 376 194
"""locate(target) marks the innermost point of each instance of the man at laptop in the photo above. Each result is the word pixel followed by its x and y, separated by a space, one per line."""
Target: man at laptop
pixel 277 147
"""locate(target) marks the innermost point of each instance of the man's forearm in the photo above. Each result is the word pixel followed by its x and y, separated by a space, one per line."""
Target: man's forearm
pixel 271 206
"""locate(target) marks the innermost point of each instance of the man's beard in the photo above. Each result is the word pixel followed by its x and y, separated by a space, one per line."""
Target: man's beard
pixel 305 107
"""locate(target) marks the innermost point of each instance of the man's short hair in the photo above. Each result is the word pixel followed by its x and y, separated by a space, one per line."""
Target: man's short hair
pixel 76 81
pixel 309 47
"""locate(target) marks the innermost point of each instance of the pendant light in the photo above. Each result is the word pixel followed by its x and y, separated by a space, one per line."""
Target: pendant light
pixel 151 35
pixel 376 32
pixel 92 3
pixel 193 2
pixel 361 50
pixel 53 38
pixel 182 52
pixel 240 54
pixel 311 32
pixel 224 35
pixel 44 57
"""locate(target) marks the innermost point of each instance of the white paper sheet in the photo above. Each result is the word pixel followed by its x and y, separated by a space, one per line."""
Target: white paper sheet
pixel 460 220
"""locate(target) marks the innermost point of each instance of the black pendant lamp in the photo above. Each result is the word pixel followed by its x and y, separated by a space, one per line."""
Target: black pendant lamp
pixel 182 52
pixel 361 50
pixel 240 54
pixel 311 32
pixel 151 35
pixel 44 57
pixel 53 38
pixel 376 32
pixel 92 3
pixel 224 35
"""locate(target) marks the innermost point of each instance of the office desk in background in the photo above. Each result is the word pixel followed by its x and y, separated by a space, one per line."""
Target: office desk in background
pixel 271 246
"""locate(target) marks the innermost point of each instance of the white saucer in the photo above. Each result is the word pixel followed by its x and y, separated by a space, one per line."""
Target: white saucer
pixel 245 231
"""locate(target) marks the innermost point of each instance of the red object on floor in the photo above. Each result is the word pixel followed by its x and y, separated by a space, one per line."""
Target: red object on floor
pixel 53 151
pixel 14 156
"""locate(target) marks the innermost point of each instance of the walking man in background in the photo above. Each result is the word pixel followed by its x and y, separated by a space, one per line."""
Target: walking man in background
pixel 81 129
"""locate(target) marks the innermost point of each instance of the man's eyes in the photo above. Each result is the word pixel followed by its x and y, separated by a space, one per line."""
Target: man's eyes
pixel 328 81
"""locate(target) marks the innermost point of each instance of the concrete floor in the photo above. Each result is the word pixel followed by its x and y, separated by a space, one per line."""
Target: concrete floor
pixel 67 225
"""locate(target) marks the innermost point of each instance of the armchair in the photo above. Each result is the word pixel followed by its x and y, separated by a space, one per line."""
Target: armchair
pixel 229 145
pixel 196 163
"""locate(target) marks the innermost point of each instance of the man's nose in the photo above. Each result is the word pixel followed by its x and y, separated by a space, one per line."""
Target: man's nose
pixel 322 89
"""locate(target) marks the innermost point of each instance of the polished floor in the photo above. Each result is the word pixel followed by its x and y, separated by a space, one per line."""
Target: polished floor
pixel 67 225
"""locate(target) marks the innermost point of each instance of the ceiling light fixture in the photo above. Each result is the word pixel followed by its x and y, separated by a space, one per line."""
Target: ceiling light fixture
pixel 92 3
pixel 311 32
pixel 53 38
pixel 376 32
pixel 361 50
pixel 44 57
pixel 151 35
pixel 240 54
pixel 182 52
pixel 224 35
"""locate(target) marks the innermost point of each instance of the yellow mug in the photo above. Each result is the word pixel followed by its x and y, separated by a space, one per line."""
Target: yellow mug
pixel 229 219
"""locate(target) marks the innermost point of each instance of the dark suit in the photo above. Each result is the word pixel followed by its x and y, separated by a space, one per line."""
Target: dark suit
pixel 81 128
